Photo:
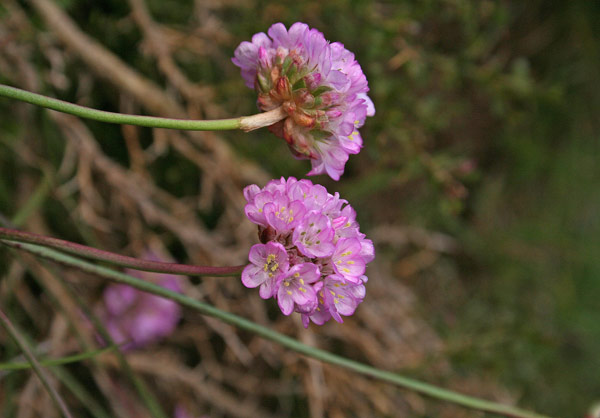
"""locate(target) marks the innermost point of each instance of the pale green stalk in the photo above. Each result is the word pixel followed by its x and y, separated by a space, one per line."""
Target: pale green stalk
pixel 246 123
pixel 146 395
pixel 290 343
pixel 150 401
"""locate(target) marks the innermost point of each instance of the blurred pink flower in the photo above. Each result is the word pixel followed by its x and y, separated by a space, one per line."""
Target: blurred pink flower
pixel 139 317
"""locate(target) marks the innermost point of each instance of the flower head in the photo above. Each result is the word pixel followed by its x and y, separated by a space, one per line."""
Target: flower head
pixel 312 258
pixel 142 318
pixel 320 86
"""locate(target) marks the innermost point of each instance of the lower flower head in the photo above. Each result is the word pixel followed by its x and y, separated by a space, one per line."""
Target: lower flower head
pixel 314 264
pixel 319 85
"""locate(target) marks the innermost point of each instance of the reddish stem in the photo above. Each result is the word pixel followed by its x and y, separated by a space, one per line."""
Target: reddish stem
pixel 120 260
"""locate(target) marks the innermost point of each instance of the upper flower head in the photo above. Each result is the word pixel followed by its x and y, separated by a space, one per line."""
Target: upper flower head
pixel 319 85
pixel 313 256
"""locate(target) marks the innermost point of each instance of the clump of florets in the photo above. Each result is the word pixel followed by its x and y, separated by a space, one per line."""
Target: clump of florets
pixel 320 86
pixel 139 318
pixel 312 255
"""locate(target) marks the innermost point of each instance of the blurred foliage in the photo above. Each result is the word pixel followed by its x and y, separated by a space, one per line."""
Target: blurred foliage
pixel 486 130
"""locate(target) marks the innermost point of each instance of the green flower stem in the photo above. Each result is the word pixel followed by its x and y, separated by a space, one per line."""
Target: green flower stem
pixel 246 123
pixel 147 397
pixel 23 345
pixel 117 259
pixel 56 361
pixel 285 341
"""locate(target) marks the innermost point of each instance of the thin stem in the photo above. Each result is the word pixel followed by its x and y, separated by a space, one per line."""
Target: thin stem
pixel 22 343
pixel 150 401
pixel 285 341
pixel 244 122
pixel 117 259
pixel 16 365
pixel 147 397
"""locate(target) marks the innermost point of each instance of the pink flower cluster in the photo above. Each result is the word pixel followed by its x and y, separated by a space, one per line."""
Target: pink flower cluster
pixel 140 317
pixel 313 256
pixel 320 86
